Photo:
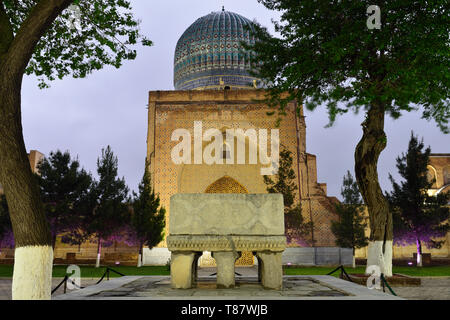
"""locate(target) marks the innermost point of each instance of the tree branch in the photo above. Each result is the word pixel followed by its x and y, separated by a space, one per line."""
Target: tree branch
pixel 31 31
pixel 6 32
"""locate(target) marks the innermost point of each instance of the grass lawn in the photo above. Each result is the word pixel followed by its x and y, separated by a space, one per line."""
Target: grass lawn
pixel 409 271
pixel 92 272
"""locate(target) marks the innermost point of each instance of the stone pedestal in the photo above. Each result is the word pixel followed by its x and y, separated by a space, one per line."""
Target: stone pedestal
pixel 183 269
pixel 270 273
pixel 225 268
pixel 226 224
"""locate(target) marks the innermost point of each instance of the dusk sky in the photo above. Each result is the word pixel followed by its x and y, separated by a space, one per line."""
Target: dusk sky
pixel 109 106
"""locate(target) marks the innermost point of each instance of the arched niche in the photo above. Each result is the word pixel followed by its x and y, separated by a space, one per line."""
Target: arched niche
pixel 446 173
pixel 432 175
pixel 227 184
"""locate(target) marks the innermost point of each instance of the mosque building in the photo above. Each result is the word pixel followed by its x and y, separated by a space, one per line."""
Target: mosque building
pixel 215 89
pixel 189 149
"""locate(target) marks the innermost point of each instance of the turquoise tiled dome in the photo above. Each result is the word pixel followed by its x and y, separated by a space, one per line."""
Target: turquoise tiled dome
pixel 209 54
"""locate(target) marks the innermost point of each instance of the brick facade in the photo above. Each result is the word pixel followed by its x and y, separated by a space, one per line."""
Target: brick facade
pixel 231 109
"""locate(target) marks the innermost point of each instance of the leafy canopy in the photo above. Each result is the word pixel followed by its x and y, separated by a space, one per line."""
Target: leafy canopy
pixel 102 36
pixel 327 54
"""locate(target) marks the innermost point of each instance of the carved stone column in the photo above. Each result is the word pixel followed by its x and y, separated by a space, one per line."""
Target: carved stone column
pixel 183 270
pixel 270 269
pixel 225 268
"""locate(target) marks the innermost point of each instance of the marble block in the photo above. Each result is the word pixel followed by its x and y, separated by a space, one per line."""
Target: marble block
pixel 226 214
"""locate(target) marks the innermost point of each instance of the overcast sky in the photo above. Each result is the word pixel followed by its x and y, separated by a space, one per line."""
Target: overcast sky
pixel 109 107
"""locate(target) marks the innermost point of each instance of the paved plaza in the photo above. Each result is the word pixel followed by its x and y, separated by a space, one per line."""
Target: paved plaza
pixel 247 287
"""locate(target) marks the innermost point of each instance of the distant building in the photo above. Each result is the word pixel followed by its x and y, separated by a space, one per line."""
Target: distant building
pixel 35 157
pixel 439 171
pixel 214 84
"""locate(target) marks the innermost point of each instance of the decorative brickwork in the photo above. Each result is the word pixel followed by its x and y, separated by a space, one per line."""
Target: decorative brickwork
pixel 245 109
pixel 226 185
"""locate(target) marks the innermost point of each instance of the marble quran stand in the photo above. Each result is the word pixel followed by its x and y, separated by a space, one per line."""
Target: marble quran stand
pixel 226 225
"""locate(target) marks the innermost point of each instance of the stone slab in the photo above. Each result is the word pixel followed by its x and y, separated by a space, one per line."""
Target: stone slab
pixel 317 256
pixel 156 256
pixel 226 214
pixel 333 256
pixel 298 257
pixel 294 288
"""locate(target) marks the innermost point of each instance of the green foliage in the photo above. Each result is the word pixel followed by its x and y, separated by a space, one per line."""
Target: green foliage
pixel 148 219
pixel 418 217
pixel 326 54
pixel 111 196
pixel 296 228
pixel 64 191
pixel 104 35
pixel 349 229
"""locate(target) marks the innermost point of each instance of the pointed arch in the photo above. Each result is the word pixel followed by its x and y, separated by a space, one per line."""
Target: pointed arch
pixel 226 184
pixel 432 175
pixel 446 174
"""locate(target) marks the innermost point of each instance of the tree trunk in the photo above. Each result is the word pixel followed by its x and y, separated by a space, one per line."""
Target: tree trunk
pixel 99 252
pixel 367 154
pixel 419 253
pixel 54 241
pixel 354 259
pixel 139 264
pixel 34 252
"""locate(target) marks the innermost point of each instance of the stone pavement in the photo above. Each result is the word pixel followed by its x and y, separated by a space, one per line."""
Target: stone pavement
pixel 5 286
pixel 432 288
pixel 295 287
pixel 247 288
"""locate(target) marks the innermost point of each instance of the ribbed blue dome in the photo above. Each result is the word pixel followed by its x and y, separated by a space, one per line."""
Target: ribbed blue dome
pixel 209 54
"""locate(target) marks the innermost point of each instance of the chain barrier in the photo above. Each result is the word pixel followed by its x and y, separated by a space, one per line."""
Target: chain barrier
pixel 67 279
pixel 343 272
pixel 383 279
pixel 384 282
